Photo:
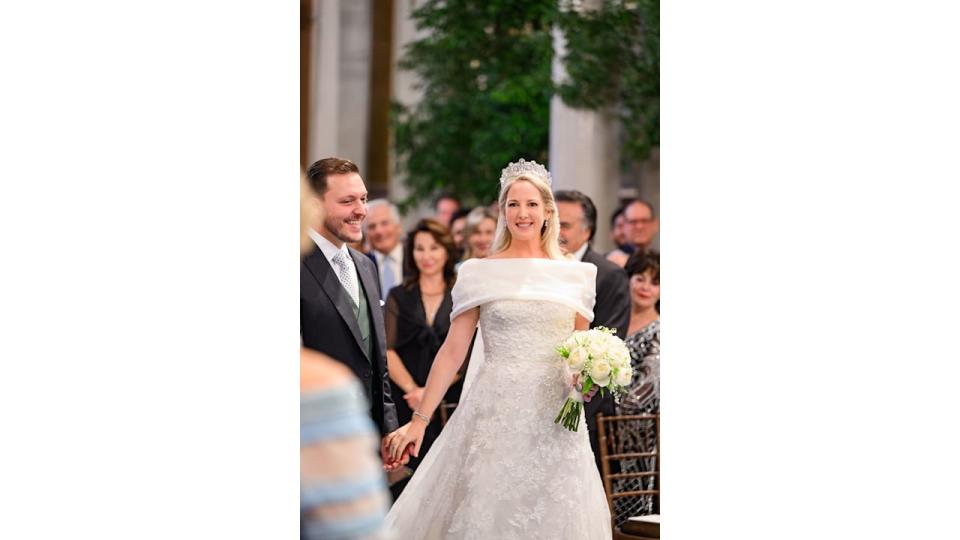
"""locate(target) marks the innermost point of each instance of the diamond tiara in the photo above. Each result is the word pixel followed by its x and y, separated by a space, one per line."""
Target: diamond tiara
pixel 524 168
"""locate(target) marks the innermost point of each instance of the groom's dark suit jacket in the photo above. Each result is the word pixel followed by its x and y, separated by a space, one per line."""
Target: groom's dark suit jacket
pixel 328 325
pixel 612 309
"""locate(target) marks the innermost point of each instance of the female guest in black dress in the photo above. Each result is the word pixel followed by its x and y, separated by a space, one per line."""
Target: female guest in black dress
pixel 417 318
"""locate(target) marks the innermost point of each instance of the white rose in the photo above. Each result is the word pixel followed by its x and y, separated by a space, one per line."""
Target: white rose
pixel 616 362
pixel 619 351
pixel 621 357
pixel 598 349
pixel 624 376
pixel 613 342
pixel 600 372
pixel 578 357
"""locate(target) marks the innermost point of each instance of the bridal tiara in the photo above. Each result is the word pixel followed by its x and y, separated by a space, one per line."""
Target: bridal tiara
pixel 524 168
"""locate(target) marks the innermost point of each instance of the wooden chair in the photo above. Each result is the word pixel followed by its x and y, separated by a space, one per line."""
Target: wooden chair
pixel 629 437
pixel 446 409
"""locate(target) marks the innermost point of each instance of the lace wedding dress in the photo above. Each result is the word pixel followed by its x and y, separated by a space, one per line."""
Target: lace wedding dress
pixel 501 468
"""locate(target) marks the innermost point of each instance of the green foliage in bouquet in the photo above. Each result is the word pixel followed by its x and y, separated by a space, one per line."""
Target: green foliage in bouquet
pixel 484 70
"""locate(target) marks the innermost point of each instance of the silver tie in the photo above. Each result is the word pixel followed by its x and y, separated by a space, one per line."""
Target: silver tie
pixel 346 274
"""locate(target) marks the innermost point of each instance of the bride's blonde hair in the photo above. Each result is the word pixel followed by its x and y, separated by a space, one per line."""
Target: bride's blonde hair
pixel 549 235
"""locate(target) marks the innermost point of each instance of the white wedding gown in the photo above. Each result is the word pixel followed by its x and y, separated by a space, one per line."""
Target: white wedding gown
pixel 501 468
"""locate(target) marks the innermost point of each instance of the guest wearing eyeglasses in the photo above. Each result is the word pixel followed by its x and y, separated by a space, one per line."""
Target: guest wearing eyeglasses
pixel 640 225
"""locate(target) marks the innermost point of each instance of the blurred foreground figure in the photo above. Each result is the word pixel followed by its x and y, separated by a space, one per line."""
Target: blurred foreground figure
pixel 342 490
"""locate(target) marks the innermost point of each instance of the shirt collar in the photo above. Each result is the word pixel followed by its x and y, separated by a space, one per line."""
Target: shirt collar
pixel 396 253
pixel 326 247
pixel 580 252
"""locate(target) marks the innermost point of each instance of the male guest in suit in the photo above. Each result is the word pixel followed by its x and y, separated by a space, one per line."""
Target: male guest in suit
pixel 640 225
pixel 578 223
pixel 386 250
pixel 340 312
pixel 446 205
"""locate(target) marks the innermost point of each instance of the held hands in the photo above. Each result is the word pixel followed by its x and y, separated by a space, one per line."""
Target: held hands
pixel 397 447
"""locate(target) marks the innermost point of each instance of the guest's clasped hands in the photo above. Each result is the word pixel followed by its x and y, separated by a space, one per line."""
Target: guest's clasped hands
pixel 413 397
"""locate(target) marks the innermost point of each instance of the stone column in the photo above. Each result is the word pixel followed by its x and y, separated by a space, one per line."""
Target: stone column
pixel 325 106
pixel 584 151
pixel 341 81
pixel 356 54
pixel 405 92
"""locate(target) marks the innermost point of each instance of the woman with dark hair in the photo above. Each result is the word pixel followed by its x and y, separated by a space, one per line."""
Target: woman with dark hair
pixel 643 394
pixel 417 319
pixel 643 334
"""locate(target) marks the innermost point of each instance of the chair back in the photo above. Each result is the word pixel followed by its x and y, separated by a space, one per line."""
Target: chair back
pixel 446 409
pixel 630 450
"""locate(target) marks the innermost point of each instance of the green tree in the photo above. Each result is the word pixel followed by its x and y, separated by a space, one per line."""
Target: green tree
pixel 485 75
pixel 613 60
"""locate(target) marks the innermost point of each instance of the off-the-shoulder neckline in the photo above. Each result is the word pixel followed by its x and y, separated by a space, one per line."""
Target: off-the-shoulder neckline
pixel 523 259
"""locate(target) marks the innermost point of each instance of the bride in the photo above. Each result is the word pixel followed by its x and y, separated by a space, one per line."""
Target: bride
pixel 501 468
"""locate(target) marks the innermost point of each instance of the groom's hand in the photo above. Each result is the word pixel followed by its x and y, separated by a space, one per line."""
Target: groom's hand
pixel 389 464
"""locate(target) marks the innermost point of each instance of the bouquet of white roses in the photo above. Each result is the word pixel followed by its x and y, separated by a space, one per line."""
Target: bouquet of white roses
pixel 594 358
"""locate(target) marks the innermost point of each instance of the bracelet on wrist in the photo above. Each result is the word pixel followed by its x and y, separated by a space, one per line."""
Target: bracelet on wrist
pixel 421 416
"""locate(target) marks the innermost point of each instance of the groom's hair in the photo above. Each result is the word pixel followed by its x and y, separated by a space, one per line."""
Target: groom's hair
pixel 589 210
pixel 325 167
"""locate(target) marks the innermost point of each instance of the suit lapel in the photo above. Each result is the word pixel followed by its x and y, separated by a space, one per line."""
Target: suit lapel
pixel 330 283
pixel 591 256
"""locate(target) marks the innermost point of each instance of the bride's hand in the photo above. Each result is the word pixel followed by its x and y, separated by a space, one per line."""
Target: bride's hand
pixel 575 381
pixel 407 440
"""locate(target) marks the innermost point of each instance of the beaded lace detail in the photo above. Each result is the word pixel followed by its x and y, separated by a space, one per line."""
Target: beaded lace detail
pixel 501 469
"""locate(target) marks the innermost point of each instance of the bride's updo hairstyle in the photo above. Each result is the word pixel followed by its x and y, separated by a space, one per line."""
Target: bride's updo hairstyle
pixel 539 177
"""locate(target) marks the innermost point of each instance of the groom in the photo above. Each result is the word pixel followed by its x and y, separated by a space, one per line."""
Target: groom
pixel 340 312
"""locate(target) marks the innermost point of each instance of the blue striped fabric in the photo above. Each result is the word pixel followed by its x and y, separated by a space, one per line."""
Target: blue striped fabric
pixel 347 529
pixel 349 500
pixel 334 428
pixel 342 490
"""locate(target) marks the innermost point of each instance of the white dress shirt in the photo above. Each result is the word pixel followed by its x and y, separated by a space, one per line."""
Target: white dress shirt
pixel 578 255
pixel 330 251
pixel 396 259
